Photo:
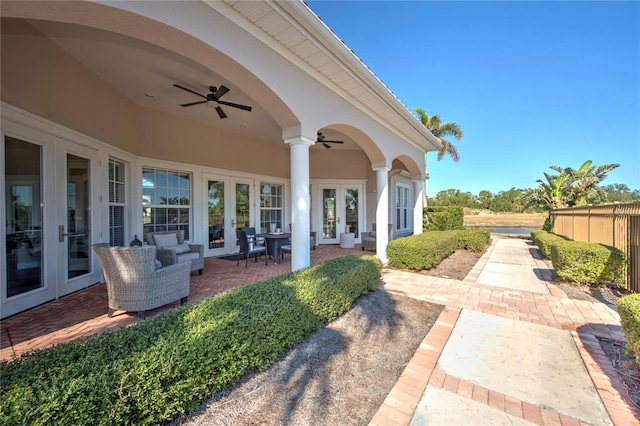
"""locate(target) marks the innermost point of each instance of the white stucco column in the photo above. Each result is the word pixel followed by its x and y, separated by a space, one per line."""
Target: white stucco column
pixel 300 202
pixel 382 212
pixel 418 200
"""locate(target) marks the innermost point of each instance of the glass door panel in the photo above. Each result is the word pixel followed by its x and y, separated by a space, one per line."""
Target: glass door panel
pixel 23 207
pixel 216 213
pixel 329 215
pixel 78 180
pixel 78 216
pixel 243 205
pixel 352 211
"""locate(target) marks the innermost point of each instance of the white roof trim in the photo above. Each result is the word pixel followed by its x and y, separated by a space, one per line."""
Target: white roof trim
pixel 319 50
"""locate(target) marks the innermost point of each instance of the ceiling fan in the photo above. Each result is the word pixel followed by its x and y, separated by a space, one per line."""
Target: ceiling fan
pixel 213 99
pixel 321 139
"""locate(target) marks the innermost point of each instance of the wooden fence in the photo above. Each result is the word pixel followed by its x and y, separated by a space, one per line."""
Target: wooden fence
pixel 616 225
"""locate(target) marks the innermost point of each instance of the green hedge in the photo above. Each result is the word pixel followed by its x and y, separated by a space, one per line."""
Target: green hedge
pixel 427 250
pixel 443 218
pixel 588 263
pixel 473 240
pixel 629 310
pixel 423 251
pixel 166 366
pixel 544 240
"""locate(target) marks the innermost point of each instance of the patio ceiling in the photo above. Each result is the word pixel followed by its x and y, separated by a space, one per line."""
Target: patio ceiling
pixel 145 73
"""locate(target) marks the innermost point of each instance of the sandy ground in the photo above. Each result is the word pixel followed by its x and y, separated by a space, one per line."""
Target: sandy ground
pixel 339 376
pixel 489 219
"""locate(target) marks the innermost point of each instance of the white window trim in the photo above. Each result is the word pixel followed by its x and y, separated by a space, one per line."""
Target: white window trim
pixel 408 208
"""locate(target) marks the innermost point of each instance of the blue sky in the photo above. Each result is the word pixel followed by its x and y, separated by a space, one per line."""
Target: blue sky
pixel 532 84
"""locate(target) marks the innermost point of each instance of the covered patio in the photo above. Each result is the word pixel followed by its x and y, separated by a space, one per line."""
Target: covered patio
pixel 85 312
pixel 126 118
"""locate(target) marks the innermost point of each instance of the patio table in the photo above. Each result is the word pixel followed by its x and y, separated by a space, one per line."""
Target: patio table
pixel 274 242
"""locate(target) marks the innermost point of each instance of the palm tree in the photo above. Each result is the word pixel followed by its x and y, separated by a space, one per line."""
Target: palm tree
pixel 570 188
pixel 584 182
pixel 440 130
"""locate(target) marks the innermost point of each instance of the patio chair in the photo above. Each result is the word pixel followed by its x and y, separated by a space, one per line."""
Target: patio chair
pixel 172 249
pixel 247 248
pixel 251 233
pixel 368 239
pixel 134 283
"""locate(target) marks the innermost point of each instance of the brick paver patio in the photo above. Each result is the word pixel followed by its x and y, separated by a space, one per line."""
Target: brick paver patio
pixel 85 313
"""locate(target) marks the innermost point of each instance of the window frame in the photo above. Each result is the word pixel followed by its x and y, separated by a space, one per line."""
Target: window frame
pixel 154 211
pixel 113 203
pixel 403 207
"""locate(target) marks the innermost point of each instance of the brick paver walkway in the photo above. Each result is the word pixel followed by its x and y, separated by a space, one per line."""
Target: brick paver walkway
pixel 585 320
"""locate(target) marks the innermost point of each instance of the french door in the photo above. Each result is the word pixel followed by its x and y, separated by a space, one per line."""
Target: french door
pixel 48 207
pixel 77 207
pixel 230 204
pixel 340 211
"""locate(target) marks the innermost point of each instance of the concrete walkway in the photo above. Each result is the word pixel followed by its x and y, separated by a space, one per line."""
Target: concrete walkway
pixel 509 348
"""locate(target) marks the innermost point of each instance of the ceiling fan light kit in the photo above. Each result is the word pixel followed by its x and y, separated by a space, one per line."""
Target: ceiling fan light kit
pixel 213 99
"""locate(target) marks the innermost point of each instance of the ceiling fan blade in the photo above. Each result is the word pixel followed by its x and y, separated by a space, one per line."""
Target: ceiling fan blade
pixel 221 112
pixel 189 90
pixel 326 146
pixel 244 107
pixel 332 141
pixel 193 103
pixel 222 90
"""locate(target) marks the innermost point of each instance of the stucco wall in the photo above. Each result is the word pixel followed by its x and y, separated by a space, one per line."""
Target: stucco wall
pixel 167 137
pixel 41 78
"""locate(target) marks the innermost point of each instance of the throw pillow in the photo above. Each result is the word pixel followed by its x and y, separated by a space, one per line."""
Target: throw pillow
pixel 179 248
pixel 164 240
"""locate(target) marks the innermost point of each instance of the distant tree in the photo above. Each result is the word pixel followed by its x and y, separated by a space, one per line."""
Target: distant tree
pixel 453 197
pixel 508 201
pixel 485 198
pixel 441 130
pixel 620 193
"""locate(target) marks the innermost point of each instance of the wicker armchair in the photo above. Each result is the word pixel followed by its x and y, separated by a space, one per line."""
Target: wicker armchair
pixel 172 249
pixel 368 239
pixel 134 283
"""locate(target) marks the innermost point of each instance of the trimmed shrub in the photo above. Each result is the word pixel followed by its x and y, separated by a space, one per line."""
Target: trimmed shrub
pixel 423 251
pixel 588 263
pixel 629 310
pixel 166 366
pixel 544 240
pixel 444 218
pixel 473 239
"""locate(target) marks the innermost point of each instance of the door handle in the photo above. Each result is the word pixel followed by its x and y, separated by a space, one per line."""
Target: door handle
pixel 61 233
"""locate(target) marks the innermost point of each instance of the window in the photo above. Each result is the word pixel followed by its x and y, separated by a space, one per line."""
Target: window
pixel 166 201
pixel 117 202
pixel 402 206
pixel 271 205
